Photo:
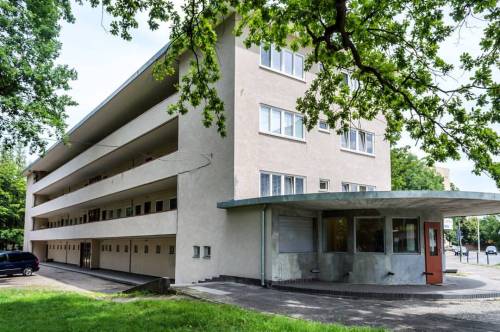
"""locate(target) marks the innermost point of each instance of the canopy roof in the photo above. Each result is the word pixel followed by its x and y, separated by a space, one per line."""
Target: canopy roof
pixel 449 203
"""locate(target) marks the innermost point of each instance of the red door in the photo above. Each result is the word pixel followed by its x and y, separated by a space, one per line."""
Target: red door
pixel 433 259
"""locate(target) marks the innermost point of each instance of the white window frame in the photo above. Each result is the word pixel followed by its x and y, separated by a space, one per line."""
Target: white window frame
pixel 327 185
pixel 282 69
pixel 282 183
pixel 358 142
pixel 327 130
pixel 268 130
pixel 358 185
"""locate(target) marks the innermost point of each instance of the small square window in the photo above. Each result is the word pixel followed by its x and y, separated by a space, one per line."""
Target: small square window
pixel 159 206
pixel 324 185
pixel 158 249
pixel 324 126
pixel 147 207
pixel 171 250
pixel 196 251
pixel 207 251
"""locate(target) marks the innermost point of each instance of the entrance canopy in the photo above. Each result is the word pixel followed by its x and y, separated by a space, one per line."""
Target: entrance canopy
pixel 448 203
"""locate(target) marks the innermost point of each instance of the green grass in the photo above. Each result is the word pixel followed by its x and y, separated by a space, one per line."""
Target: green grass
pixel 39 310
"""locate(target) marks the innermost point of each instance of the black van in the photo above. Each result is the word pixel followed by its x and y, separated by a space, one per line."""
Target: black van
pixel 12 262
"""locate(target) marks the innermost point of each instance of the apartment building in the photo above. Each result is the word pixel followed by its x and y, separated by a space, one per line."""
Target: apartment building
pixel 141 191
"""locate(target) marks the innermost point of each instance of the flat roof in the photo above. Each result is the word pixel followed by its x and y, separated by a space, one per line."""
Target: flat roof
pixel 449 203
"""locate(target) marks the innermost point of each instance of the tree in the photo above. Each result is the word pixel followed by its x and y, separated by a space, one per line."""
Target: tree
pixel 11 238
pixel 410 173
pixel 32 105
pixel 389 46
pixel 490 231
pixel 12 190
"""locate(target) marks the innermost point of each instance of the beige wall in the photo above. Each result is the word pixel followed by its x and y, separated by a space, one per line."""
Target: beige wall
pixel 64 251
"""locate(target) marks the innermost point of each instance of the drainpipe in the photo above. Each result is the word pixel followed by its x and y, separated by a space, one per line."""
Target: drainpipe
pixel 263 247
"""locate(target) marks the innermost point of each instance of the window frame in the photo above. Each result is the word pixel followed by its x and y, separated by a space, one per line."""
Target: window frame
pixel 358 185
pixel 196 251
pixel 282 130
pixel 323 130
pixel 358 219
pixel 282 183
pixel 357 150
pixel 282 70
pixel 207 252
pixel 419 243
pixel 327 185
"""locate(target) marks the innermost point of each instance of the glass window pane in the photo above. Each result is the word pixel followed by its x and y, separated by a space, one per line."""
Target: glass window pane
pixel 288 62
pixel 265 185
pixel 344 138
pixel 433 248
pixel 369 143
pixel 275 58
pixel 323 125
pixel 288 124
pixel 362 141
pixel 336 234
pixel 298 66
pixel 299 127
pixel 276 185
pixel 299 185
pixel 289 185
pixel 346 187
pixel 405 235
pixel 265 122
pixel 352 139
pixel 265 57
pixel 276 121
pixel 370 235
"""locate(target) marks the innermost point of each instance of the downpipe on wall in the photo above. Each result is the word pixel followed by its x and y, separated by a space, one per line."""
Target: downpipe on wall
pixel 263 246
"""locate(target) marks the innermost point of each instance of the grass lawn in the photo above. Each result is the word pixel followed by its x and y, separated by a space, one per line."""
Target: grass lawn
pixel 38 310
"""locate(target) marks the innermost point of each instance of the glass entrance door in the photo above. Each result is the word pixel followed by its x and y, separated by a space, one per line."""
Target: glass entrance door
pixel 85 254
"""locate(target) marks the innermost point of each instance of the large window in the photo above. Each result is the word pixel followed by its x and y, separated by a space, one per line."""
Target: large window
pixel 405 235
pixel 353 187
pixel 279 122
pixel 296 234
pixel 272 184
pixel 358 141
pixel 336 234
pixel 284 61
pixel 370 234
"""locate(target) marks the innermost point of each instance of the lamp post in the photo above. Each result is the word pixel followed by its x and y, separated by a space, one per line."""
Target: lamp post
pixel 478 242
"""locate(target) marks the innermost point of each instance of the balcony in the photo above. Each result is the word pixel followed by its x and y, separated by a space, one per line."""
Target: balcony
pixel 162 223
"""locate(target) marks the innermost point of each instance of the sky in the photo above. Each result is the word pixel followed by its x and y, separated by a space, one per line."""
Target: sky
pixel 104 62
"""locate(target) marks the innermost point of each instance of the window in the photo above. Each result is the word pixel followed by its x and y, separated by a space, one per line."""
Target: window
pixel 173 203
pixel 196 251
pixel 370 234
pixel 110 214
pixel 353 187
pixel 136 250
pixel 125 248
pixel 158 249
pixel 94 215
pixel 280 122
pixel 336 232
pixel 138 209
pixel 207 251
pixel 117 248
pixel 146 249
pixel 171 250
pixel 104 214
pixel 147 207
pixel 324 185
pixel 84 218
pixel 358 140
pixel 128 211
pixel 404 235
pixel 324 126
pixel 118 213
pixel 296 234
pixel 272 184
pixel 284 61
pixel 159 206
pixel 73 247
pixel 433 242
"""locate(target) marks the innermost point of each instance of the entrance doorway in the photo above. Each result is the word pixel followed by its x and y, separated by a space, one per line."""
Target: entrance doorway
pixel 85 254
pixel 433 258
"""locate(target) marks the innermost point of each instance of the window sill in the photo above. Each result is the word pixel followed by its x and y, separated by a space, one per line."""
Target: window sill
pixel 324 131
pixel 358 152
pixel 294 139
pixel 282 73
pixel 206 257
pixel 196 256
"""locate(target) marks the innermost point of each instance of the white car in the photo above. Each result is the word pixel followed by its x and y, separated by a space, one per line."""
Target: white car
pixel 456 250
pixel 491 250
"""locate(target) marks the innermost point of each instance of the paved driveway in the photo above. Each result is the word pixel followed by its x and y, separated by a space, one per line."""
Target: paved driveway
pixel 57 279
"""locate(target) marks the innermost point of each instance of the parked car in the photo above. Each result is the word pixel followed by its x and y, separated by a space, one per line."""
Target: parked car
pixel 491 250
pixel 456 250
pixel 13 262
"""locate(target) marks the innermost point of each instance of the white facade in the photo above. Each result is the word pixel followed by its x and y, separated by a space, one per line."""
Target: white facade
pixel 126 167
